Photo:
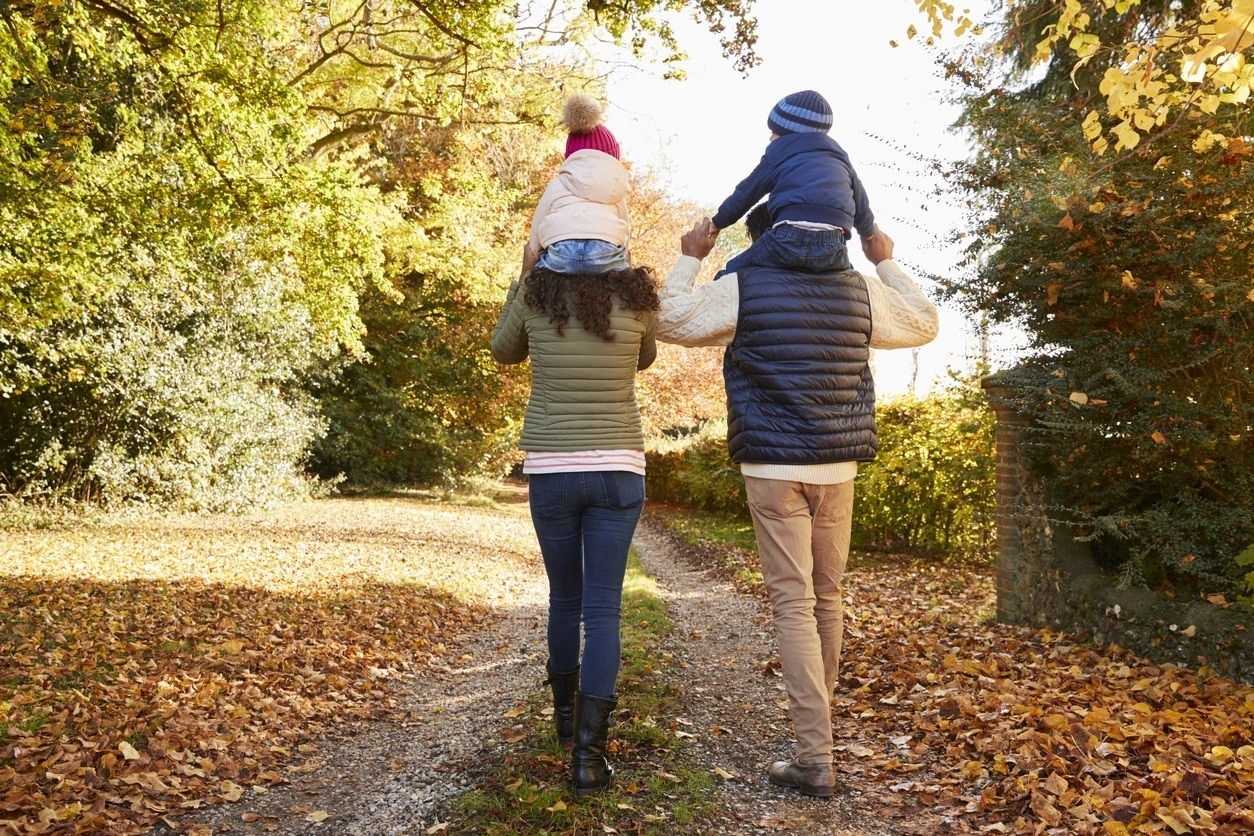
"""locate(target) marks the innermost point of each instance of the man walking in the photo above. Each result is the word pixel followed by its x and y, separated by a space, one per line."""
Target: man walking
pixel 800 416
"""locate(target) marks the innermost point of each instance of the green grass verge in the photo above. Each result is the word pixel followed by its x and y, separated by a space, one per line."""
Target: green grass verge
pixel 659 786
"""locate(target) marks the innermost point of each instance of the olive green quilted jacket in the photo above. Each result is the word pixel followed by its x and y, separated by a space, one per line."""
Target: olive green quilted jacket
pixel 583 388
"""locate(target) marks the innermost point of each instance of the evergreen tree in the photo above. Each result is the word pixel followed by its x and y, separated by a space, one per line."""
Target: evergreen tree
pixel 1130 269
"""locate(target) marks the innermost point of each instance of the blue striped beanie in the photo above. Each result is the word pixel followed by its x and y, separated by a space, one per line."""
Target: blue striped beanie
pixel 798 113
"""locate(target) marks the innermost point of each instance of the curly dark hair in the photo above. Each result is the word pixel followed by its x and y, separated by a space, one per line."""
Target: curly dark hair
pixel 590 296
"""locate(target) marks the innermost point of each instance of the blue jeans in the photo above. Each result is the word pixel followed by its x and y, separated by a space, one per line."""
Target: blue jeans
pixel 585 522
pixel 581 256
pixel 794 247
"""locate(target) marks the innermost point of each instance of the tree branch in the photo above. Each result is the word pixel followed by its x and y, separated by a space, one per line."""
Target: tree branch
pixel 434 60
pixel 438 24
pixel 138 29
pixel 338 138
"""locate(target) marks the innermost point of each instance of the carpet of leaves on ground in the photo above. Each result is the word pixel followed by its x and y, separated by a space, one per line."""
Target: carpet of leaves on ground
pixel 1016 730
pixel 149 665
pixel 153 664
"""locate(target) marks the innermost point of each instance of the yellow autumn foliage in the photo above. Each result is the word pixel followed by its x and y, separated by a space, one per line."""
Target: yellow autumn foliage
pixel 1200 62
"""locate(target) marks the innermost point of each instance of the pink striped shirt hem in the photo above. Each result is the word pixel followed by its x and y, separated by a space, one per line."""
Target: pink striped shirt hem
pixel 631 461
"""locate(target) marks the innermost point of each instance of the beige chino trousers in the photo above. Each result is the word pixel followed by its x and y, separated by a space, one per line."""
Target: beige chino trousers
pixel 803 542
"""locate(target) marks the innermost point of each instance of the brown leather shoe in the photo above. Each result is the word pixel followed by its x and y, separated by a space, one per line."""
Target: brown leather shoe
pixel 815 780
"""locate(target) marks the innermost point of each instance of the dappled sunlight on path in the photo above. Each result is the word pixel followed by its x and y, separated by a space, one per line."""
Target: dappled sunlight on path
pixel 152 663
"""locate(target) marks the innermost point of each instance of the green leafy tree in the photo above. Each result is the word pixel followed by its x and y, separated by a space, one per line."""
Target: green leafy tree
pixel 428 404
pixel 195 200
pixel 172 265
pixel 1131 272
pixel 362 66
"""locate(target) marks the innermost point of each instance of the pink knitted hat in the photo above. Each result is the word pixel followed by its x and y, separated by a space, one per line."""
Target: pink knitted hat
pixel 599 140
pixel 582 116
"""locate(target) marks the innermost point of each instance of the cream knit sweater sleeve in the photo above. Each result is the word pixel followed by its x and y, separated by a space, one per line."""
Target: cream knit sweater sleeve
pixel 901 316
pixel 702 316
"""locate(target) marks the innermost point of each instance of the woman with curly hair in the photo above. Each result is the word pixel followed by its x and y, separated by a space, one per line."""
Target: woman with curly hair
pixel 587 329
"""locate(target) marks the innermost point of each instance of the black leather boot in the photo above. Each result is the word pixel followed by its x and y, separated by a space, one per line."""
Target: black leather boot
pixel 564 687
pixel 589 770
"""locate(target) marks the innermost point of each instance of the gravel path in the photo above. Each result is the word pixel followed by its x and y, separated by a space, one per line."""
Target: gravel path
pixel 390 778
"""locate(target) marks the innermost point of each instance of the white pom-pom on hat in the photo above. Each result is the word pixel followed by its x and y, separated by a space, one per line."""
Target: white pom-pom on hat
pixel 582 116
pixel 581 113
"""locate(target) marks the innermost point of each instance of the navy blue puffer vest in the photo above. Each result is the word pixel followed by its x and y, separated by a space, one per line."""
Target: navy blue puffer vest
pixel 799 385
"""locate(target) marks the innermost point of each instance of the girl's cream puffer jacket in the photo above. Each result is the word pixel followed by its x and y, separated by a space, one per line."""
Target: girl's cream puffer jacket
pixel 587 199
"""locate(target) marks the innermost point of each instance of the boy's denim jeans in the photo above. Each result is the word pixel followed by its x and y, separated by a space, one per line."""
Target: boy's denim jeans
pixel 581 256
pixel 584 522
pixel 787 246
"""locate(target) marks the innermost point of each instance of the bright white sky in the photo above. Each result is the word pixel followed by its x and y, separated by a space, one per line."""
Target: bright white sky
pixel 707 132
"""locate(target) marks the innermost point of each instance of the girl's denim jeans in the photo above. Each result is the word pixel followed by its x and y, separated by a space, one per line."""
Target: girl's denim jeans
pixel 584 522
pixel 583 256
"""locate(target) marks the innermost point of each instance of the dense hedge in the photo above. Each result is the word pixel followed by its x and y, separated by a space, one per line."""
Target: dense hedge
pixel 931 487
pixel 930 490
pixel 692 468
pixel 1128 269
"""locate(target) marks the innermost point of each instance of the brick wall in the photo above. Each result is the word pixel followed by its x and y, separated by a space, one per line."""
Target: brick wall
pixel 1045 578
pixel 1009 423
pixel 1027 576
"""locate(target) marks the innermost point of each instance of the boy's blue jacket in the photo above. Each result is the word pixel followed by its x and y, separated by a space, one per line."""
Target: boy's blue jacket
pixel 809 178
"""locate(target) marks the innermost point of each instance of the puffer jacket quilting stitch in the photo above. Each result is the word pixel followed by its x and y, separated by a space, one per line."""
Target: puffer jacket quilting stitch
pixel 583 392
pixel 799 384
